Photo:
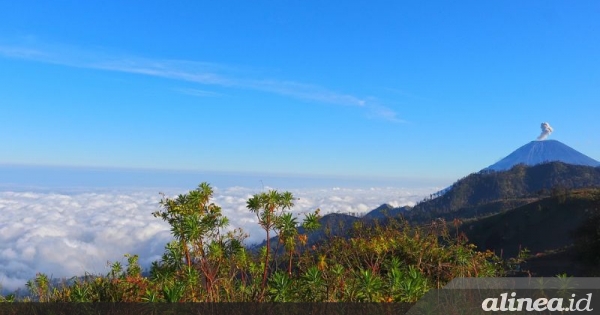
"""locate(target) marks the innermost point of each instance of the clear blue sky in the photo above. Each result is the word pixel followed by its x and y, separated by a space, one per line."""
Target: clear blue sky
pixel 403 89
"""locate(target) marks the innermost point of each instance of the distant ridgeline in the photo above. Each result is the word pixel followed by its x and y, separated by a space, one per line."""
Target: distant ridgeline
pixel 490 192
pixel 539 197
pixel 339 224
pixel 526 172
pixel 477 195
pixel 544 197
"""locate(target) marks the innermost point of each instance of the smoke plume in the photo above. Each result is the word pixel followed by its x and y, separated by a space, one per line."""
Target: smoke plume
pixel 546 131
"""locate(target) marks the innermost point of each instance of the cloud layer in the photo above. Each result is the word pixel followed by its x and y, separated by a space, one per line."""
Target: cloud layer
pixel 70 233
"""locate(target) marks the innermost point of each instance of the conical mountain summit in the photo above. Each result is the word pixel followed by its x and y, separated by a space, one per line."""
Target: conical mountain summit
pixel 537 152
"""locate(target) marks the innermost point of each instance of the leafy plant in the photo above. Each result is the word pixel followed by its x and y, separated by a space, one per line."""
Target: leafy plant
pixel 280 287
pixel 267 207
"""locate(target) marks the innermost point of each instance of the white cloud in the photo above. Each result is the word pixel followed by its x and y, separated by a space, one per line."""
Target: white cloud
pixel 203 73
pixel 71 233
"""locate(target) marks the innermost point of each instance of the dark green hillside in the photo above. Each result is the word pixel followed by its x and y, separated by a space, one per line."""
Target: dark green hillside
pixel 486 209
pixel 543 225
pixel 385 211
pixel 339 224
pixel 333 224
pixel 553 229
pixel 501 191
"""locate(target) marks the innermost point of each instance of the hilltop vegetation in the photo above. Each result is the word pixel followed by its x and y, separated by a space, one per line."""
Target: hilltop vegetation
pixel 372 263
pixel 490 192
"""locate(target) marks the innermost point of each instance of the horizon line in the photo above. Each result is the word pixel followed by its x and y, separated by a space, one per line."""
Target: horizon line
pixel 221 172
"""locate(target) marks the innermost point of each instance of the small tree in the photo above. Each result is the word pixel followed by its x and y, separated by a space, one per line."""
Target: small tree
pixel 196 224
pixel 267 207
pixel 287 226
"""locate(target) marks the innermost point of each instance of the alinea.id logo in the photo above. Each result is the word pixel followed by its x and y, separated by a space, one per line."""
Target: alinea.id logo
pixel 525 295
pixel 504 303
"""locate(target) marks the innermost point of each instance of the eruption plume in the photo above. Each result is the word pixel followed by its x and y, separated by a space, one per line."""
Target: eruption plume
pixel 546 131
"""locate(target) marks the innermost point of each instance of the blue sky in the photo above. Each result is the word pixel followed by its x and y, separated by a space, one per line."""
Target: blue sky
pixel 390 89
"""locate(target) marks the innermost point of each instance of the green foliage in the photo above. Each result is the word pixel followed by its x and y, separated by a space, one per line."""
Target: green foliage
pixel 368 286
pixel 311 222
pixel 199 254
pixel 174 292
pixel 268 207
pixel 312 285
pixel 280 287
pixel 394 262
pixel 39 287
pixel 412 285
pixel 10 298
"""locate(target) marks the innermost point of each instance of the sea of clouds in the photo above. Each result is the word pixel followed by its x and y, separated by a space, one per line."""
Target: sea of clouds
pixel 66 233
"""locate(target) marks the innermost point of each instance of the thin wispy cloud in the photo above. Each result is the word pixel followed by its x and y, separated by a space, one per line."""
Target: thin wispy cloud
pixel 407 94
pixel 192 71
pixel 22 53
pixel 382 112
pixel 304 91
pixel 198 92
pixel 171 69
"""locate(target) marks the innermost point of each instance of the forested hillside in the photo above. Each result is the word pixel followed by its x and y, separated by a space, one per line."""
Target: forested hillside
pixel 490 192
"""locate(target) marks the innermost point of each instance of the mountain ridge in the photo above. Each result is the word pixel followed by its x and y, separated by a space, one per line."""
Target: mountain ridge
pixel 502 190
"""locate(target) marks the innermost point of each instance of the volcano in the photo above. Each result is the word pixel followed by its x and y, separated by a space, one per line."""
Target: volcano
pixel 537 152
